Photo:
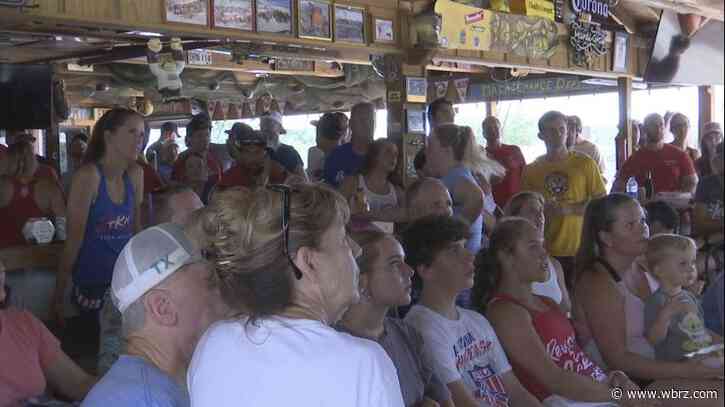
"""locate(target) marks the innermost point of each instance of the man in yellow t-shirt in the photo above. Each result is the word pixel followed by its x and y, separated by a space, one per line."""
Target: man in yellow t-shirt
pixel 568 181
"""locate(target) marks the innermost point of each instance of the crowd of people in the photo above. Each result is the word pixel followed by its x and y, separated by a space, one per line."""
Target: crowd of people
pixel 207 279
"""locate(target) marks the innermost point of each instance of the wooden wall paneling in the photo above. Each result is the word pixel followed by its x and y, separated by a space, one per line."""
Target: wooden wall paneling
pixel 98 9
pixel 493 55
pixel 47 7
pixel 559 59
pixel 514 59
pixel 142 11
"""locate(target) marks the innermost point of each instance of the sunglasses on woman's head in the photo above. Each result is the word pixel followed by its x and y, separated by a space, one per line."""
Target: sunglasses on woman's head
pixel 285 190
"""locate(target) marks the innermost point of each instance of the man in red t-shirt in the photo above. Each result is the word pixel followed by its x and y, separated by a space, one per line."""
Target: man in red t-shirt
pixel 253 165
pixel 197 140
pixel 508 156
pixel 671 168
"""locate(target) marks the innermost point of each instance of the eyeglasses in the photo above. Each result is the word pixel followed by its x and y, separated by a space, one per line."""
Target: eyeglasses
pixel 285 190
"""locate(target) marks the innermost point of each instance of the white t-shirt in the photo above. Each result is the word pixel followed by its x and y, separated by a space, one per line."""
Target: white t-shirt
pixel 289 362
pixel 466 349
pixel 590 149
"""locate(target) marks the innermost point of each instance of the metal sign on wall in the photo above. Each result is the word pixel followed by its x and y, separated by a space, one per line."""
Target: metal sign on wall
pixel 469 28
pixel 530 89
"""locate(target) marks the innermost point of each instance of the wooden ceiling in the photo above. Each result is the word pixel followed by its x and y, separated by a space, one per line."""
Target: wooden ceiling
pixel 26 40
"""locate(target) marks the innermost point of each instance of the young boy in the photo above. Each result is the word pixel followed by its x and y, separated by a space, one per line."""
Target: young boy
pixel 463 348
pixel 674 319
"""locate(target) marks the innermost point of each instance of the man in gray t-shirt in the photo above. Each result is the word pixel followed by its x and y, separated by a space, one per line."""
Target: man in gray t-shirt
pixel 686 333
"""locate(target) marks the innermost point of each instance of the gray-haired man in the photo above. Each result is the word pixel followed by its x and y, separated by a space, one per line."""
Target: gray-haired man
pixel 167 296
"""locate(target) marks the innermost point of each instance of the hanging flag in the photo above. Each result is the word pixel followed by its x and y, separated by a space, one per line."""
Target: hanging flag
pixel 461 88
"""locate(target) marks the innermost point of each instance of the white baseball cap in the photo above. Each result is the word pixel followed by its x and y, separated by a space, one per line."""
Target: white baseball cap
pixel 148 259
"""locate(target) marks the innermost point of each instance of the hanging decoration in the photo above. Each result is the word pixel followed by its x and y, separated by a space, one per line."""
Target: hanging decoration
pixel 233 112
pixel 246 111
pixel 218 111
pixel 274 106
pixel 438 90
pixel 289 108
pixel 263 105
pixel 461 86
pixel 167 72
pixel 587 39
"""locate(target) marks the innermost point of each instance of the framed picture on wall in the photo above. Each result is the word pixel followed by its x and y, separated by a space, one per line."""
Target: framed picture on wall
pixel 416 89
pixel 349 24
pixel 621 49
pixel 415 117
pixel 274 16
pixel 383 30
pixel 234 14
pixel 314 18
pixel 194 12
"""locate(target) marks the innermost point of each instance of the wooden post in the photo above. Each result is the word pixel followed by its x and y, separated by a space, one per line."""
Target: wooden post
pixel 491 108
pixel 52 137
pixel 406 112
pixel 706 103
pixel 624 144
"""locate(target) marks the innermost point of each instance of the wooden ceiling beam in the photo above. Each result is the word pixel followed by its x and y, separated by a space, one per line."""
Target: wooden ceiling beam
pixel 221 62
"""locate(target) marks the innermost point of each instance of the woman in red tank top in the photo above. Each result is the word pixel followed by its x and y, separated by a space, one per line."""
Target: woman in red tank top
pixel 541 345
pixel 24 196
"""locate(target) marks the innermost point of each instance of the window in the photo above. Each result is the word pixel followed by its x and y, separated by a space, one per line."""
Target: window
pixel 301 134
pixel 519 121
pixel 683 100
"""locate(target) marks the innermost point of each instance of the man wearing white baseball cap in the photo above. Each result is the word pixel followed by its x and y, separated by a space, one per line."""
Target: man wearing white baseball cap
pixel 167 295
pixel 270 124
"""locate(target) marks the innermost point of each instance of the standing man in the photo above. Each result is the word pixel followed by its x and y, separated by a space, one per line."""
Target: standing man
pixel 197 140
pixel 568 181
pixel 348 158
pixel 575 142
pixel 440 111
pixel 271 127
pixel 78 147
pixel 169 133
pixel 253 165
pixel 671 168
pixel 680 129
pixel 507 155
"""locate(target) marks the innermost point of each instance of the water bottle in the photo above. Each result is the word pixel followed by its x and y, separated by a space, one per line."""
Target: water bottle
pixel 632 188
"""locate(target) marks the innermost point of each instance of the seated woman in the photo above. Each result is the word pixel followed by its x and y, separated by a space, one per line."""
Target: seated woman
pixel 285 264
pixel 24 196
pixel 385 282
pixel 542 344
pixel 530 206
pixel 609 301
pixel 384 198
pixel 31 359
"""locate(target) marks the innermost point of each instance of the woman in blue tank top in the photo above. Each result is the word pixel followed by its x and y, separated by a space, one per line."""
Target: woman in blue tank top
pixel 447 150
pixel 452 155
pixel 103 212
